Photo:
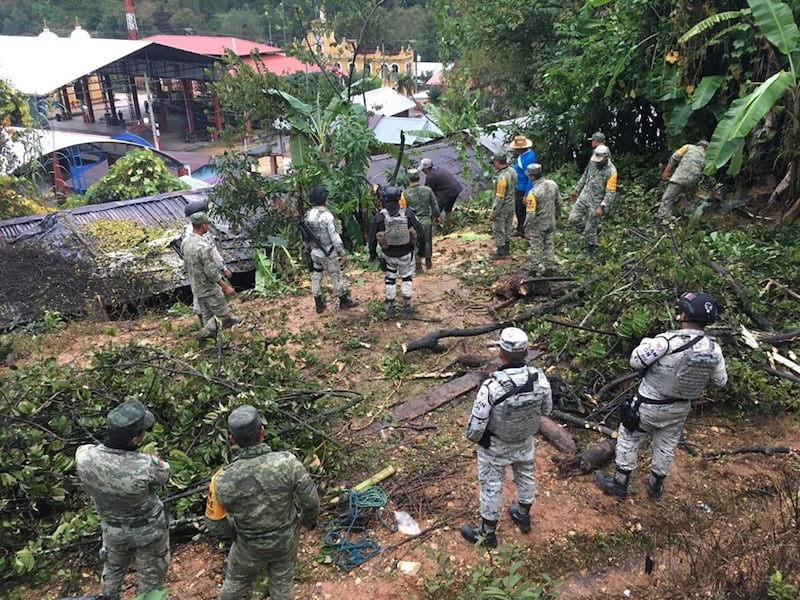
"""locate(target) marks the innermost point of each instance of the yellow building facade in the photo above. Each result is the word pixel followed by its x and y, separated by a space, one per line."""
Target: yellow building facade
pixel 336 56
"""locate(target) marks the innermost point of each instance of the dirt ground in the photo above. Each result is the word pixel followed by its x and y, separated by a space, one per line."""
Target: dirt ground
pixel 569 514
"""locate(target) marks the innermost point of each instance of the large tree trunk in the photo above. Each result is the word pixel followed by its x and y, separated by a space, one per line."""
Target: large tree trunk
pixel 557 436
pixel 593 458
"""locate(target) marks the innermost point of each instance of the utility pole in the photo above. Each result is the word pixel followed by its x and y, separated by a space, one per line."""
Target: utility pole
pixel 130 21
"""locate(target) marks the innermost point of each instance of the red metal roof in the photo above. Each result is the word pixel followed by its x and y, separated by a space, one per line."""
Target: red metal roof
pixel 212 45
pixel 285 65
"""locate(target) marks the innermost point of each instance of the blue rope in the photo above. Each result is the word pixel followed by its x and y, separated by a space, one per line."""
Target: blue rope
pixel 347 552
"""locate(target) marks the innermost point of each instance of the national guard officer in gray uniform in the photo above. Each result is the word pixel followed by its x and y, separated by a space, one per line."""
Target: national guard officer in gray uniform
pixel 256 499
pixel 206 280
pixel 504 418
pixel 190 209
pixel 543 207
pixel 690 160
pixel 595 193
pixel 327 250
pixel 677 367
pixel 397 231
pixel 502 215
pixel 422 199
pixel 122 484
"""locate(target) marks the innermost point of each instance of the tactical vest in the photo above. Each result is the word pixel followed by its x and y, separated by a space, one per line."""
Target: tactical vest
pixel 684 375
pixel 396 228
pixel 516 419
pixel 313 221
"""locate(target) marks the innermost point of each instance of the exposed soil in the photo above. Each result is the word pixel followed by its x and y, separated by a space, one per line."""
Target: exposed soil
pixel 592 542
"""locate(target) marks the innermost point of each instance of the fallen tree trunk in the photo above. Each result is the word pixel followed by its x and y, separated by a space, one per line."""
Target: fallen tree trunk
pixel 741 297
pixel 593 458
pixel 753 449
pixel 557 436
pixel 431 340
pixel 578 422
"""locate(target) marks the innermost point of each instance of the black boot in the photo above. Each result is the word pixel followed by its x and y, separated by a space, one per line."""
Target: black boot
pixel 616 485
pixel 655 486
pixel 428 264
pixel 390 309
pixel 486 534
pixel 521 515
pixel 229 322
pixel 501 253
pixel 346 302
pixel 319 304
pixel 590 249
pixel 407 307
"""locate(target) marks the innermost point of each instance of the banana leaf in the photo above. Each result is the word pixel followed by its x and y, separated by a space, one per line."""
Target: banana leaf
pixel 711 21
pixel 705 90
pixel 776 22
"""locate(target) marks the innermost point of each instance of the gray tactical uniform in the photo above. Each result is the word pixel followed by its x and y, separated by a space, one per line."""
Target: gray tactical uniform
pixel 667 389
pixel 543 207
pixel 597 187
pixel 691 161
pixel 122 485
pixel 505 188
pixel 512 424
pixel 325 259
pixel 422 199
pixel 259 492
pixel 203 277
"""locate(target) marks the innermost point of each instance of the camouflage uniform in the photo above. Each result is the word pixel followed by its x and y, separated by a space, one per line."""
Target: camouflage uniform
pixel 204 277
pixel 691 160
pixel 122 484
pixel 543 206
pixel 518 453
pixel 662 416
pixel 326 259
pixel 253 499
pixel 597 187
pixel 422 199
pixel 215 256
pixel 505 187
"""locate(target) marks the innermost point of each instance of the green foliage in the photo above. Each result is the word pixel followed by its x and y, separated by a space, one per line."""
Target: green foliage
pixel 48 410
pixel 780 589
pixel 138 174
pixel 503 576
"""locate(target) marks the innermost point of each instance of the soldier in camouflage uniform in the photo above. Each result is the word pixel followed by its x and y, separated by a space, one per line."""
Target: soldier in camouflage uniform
pixel 690 160
pixel 206 280
pixel 677 365
pixel 504 418
pixel 255 500
pixel 502 216
pixel 422 199
pixel 543 206
pixel 595 194
pixel 327 251
pixel 122 484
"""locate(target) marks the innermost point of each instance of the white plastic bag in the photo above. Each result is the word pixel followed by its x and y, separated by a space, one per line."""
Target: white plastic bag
pixel 406 523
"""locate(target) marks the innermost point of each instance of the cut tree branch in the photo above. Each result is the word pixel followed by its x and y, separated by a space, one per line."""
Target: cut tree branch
pixel 753 449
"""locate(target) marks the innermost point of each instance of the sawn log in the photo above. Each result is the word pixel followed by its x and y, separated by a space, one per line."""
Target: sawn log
pixel 557 435
pixel 593 458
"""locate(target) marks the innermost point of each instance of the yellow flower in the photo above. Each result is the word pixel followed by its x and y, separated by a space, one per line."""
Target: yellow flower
pixel 672 57
pixel 689 89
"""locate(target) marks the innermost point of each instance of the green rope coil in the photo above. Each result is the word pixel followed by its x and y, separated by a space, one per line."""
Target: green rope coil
pixel 346 552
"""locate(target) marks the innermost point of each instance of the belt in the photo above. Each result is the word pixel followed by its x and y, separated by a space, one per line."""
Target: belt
pixel 644 400
pixel 132 522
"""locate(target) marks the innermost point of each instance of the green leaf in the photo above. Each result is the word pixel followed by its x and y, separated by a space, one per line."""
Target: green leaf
pixel 711 21
pixel 776 22
pixel 705 90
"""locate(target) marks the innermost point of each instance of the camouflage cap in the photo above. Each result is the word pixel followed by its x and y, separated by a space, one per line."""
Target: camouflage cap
pixel 598 136
pixel 500 157
pixel 244 422
pixel 199 218
pixel 513 339
pixel 413 174
pixel 702 143
pixel 600 153
pixel 425 163
pixel 130 417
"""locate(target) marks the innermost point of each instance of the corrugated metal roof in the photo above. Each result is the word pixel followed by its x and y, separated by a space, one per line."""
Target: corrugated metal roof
pixel 384 101
pixel 213 45
pixel 387 129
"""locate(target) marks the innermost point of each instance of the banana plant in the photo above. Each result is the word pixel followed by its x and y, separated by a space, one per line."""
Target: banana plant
pixel 776 24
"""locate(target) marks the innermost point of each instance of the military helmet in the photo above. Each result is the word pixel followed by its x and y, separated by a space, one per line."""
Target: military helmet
pixel 392 194
pixel 698 307
pixel 318 195
pixel 194 207
pixel 425 163
pixel 534 170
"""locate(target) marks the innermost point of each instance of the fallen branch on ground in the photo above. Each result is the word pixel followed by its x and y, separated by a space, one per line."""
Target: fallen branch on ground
pixel 557 436
pixel 593 458
pixel 753 449
pixel 578 422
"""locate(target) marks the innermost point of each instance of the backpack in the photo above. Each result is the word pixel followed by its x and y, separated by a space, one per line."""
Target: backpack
pixel 396 231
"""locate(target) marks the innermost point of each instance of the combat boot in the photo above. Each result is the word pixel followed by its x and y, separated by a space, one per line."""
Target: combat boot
pixel 229 322
pixel 428 264
pixel 485 534
pixel 390 309
pixel 319 304
pixel 655 486
pixel 407 307
pixel 590 249
pixel 520 514
pixel 613 485
pixel 346 302
pixel 501 253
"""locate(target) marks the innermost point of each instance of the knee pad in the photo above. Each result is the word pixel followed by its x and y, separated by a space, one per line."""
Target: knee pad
pixel 409 278
pixel 390 280
pixel 317 268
